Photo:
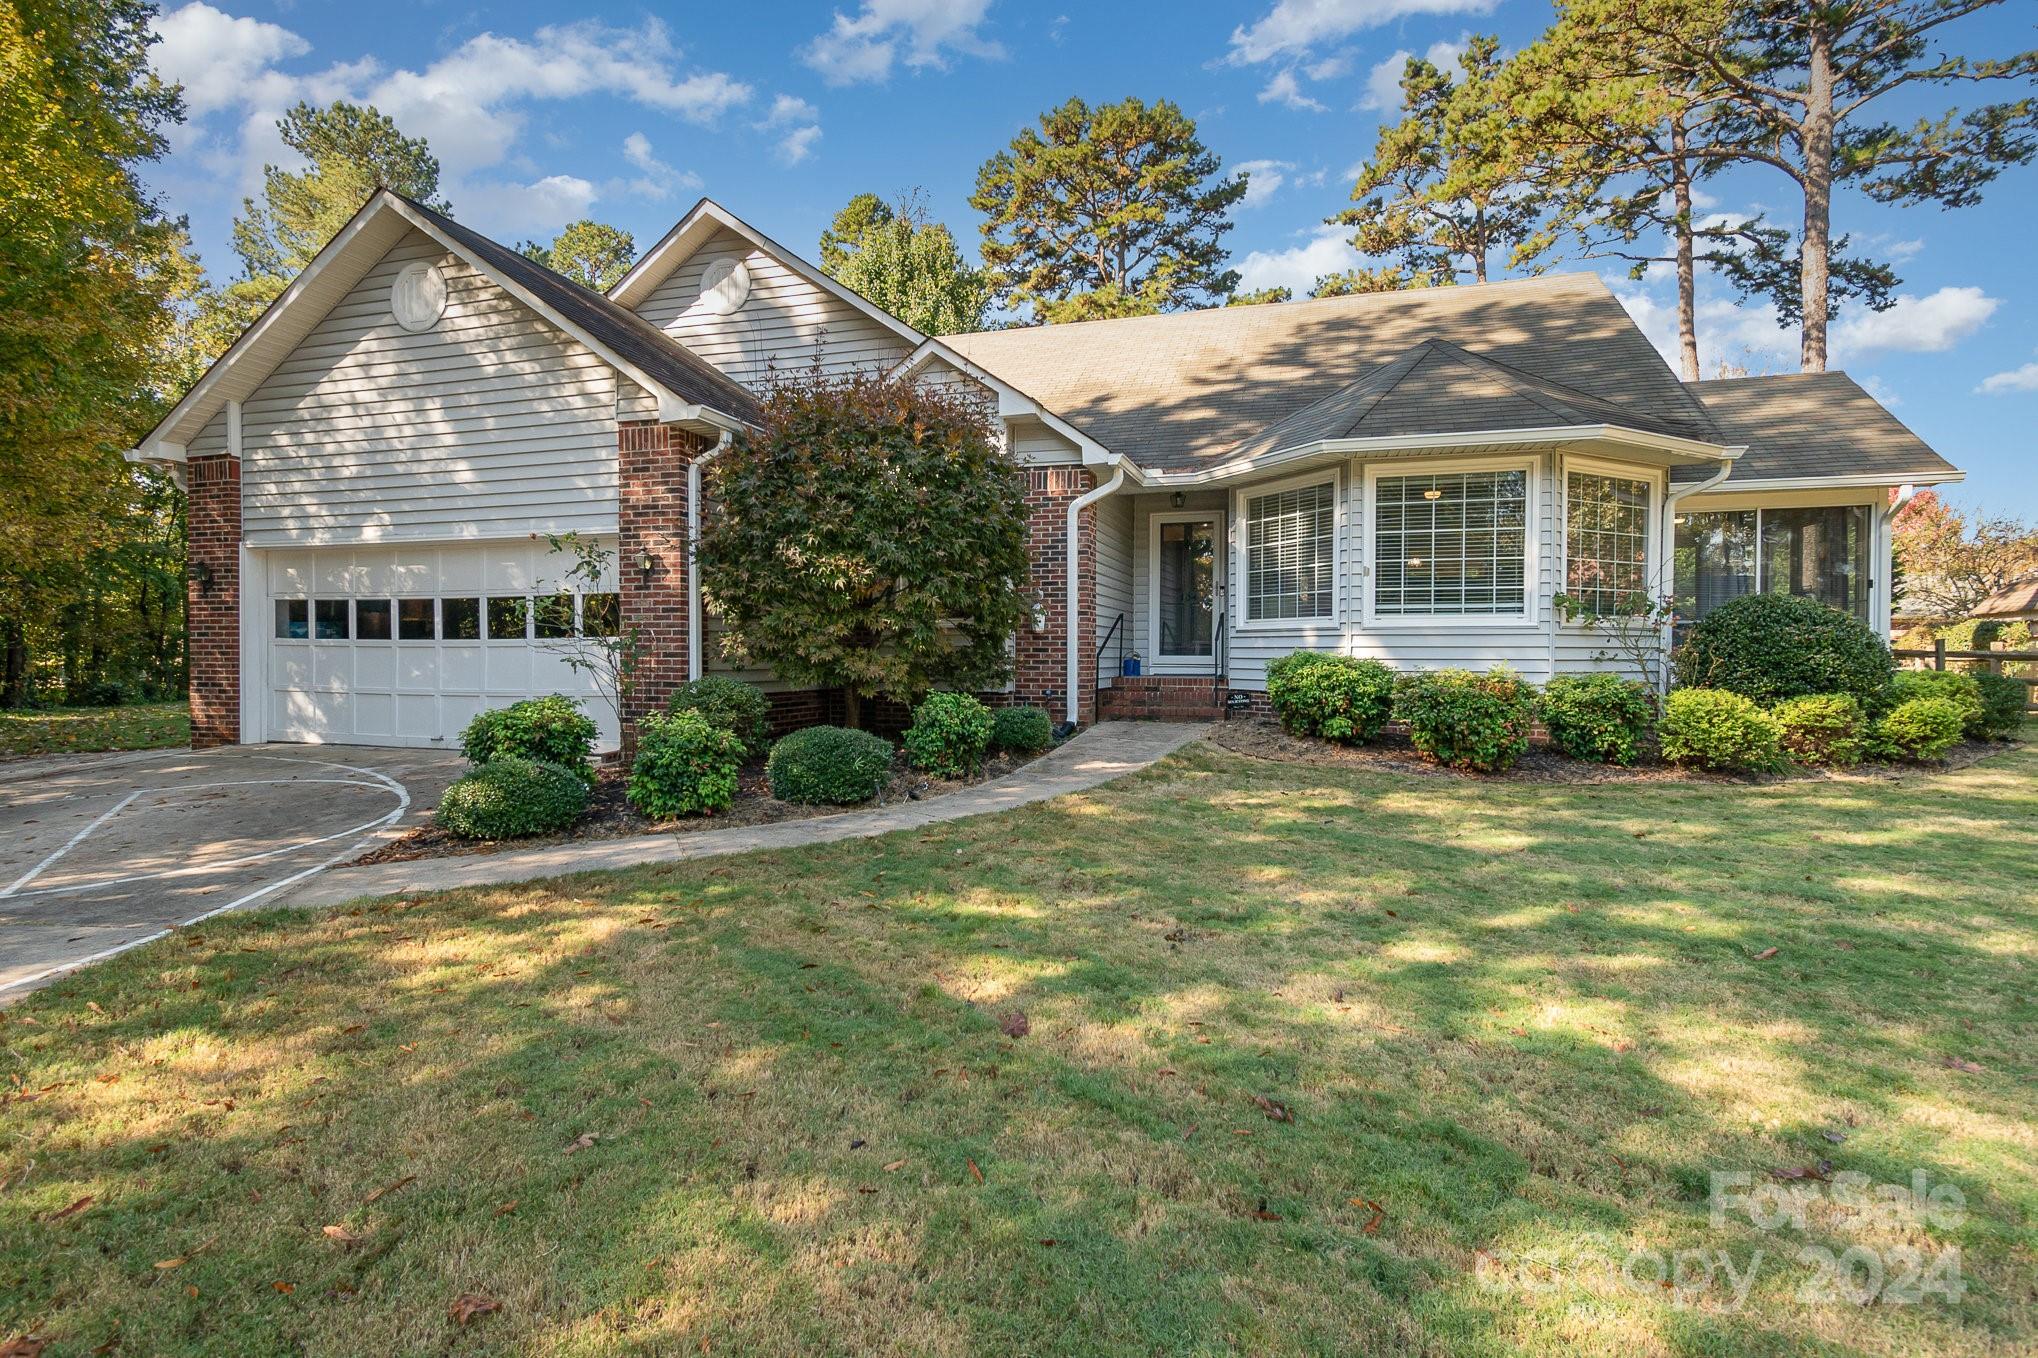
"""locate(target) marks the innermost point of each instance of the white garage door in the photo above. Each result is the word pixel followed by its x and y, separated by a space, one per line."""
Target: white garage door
pixel 392 645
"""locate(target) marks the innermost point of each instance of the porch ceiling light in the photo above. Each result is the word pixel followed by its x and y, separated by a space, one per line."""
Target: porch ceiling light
pixel 1178 499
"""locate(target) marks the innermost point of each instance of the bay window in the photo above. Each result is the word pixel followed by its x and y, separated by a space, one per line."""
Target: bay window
pixel 1818 553
pixel 1291 553
pixel 1606 541
pixel 1451 544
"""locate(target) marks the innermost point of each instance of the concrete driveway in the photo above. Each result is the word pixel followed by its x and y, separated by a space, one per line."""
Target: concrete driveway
pixel 99 853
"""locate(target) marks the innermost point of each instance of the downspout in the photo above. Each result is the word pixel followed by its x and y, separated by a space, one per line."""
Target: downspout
pixel 1885 527
pixel 1073 603
pixel 1668 539
pixel 693 536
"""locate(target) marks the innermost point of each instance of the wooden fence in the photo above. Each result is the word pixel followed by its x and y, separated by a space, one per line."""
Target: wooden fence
pixel 1992 661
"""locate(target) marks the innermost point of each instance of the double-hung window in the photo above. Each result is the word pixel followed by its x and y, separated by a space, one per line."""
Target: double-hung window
pixel 1606 541
pixel 1451 544
pixel 1291 553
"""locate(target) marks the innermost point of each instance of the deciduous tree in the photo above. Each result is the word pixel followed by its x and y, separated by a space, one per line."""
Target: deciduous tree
pixel 869 537
pixel 1948 563
pixel 898 258
pixel 1112 210
pixel 592 254
pixel 1351 282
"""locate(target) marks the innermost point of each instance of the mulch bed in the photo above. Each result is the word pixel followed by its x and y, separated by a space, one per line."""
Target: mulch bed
pixel 610 815
pixel 1262 738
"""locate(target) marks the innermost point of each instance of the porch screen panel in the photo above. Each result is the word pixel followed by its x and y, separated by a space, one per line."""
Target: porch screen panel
pixel 1291 549
pixel 1451 544
pixel 1818 554
pixel 1606 541
pixel 1715 560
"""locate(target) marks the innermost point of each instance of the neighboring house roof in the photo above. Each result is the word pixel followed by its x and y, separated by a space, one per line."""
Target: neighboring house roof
pixel 1817 426
pixel 2015 602
pixel 618 336
pixel 675 367
pixel 1188 390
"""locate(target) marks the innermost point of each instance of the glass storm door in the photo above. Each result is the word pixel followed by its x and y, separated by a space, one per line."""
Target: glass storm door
pixel 1185 588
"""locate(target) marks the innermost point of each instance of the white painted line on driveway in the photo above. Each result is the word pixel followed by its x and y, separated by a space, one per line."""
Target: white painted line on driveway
pixel 25 878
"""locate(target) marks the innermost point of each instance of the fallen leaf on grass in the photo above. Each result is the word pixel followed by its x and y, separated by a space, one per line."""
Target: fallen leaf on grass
pixel 27 1346
pixel 1192 1130
pixel 471 1306
pixel 342 1234
pixel 1958 1063
pixel 508 1207
pixel 185 1258
pixel 1835 1137
pixel 285 1288
pixel 1379 1215
pixel 1273 1108
pixel 975 1173
pixel 1765 954
pixel 1016 1024
pixel 582 1142
pixel 1820 1171
pixel 1261 1213
pixel 78 1206
pixel 895 1165
pixel 388 1188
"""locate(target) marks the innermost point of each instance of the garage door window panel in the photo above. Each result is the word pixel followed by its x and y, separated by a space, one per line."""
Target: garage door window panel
pixel 509 619
pixel 601 615
pixel 371 620
pixel 329 620
pixel 460 619
pixel 293 619
pixel 555 616
pixel 417 620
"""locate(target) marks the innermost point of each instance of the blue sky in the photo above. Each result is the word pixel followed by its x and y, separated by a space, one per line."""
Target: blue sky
pixel 781 111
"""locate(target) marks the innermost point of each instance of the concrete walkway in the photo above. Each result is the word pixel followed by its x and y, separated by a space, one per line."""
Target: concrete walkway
pixel 1096 756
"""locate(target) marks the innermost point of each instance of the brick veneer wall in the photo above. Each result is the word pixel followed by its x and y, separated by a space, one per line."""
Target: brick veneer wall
pixel 212 592
pixel 1040 674
pixel 652 462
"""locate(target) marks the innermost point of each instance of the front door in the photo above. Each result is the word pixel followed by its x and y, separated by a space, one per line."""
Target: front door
pixel 1186 552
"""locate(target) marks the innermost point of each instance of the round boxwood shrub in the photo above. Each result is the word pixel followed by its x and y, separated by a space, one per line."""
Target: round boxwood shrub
pixel 949 735
pixel 685 765
pixel 1822 728
pixel 1332 697
pixel 1021 730
pixel 2002 704
pixel 1711 728
pixel 1961 690
pixel 550 730
pixel 1775 646
pixel 828 766
pixel 1919 728
pixel 1466 720
pixel 730 704
pixel 1598 716
pixel 510 797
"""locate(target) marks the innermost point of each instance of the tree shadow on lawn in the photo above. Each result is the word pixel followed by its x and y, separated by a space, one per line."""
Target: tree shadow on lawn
pixel 1523 1031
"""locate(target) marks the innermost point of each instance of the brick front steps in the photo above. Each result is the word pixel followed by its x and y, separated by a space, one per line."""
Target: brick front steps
pixel 1167 697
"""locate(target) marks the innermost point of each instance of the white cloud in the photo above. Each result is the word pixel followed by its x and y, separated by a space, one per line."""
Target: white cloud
pixel 864 48
pixel 1917 325
pixel 798 144
pixel 2016 379
pixel 657 179
pixel 1263 178
pixel 1330 68
pixel 1292 27
pixel 1284 88
pixel 543 205
pixel 788 109
pixel 1882 392
pixel 216 56
pixel 1329 250
pixel 1383 81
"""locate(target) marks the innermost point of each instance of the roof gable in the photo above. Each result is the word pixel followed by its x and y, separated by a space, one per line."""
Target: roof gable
pixel 1817 426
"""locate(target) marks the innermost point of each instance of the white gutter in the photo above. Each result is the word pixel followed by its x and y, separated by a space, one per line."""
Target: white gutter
pixel 1885 548
pixel 1071 606
pixel 693 536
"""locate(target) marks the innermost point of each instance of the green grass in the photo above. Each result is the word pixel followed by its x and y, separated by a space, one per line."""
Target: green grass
pixel 76 730
pixel 1529 1022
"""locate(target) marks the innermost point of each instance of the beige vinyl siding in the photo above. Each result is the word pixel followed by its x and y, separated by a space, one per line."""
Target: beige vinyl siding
pixel 1034 443
pixel 490 424
pixel 786 322
pixel 1117 555
pixel 211 440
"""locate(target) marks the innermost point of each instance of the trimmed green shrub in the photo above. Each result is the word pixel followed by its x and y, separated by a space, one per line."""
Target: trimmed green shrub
pixel 1959 689
pixel 1021 730
pixel 1775 646
pixel 1822 728
pixel 1919 728
pixel 685 764
pixel 1332 697
pixel 949 735
pixel 550 730
pixel 510 797
pixel 828 766
pixel 1466 720
pixel 1712 728
pixel 729 705
pixel 2002 704
pixel 1598 716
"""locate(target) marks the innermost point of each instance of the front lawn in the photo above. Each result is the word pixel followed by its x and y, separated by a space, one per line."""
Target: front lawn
pixel 1311 1061
pixel 77 730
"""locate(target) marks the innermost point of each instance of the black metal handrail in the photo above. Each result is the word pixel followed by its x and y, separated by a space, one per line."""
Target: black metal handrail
pixel 1097 678
pixel 1217 645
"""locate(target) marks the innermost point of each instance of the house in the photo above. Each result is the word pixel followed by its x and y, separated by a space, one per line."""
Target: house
pixel 2018 603
pixel 375 468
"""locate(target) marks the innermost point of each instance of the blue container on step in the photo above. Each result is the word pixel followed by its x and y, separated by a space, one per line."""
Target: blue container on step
pixel 1129 667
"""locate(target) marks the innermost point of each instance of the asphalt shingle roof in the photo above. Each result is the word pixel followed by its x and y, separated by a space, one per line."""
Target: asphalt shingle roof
pixel 1814 424
pixel 1192 389
pixel 626 334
